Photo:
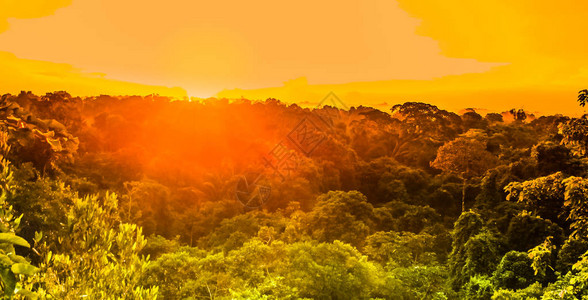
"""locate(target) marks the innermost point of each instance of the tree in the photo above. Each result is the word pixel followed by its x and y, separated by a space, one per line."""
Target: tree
pixel 575 200
pixel 541 256
pixel 572 285
pixel 532 292
pixel 570 253
pixel 518 115
pixel 544 196
pixel 329 271
pixel 583 97
pixel 344 216
pixel 465 157
pixel 471 119
pixel 553 157
pixel 258 270
pixel 12 266
pixel 417 282
pixel 400 249
pixel 575 135
pixel 557 198
pixel 493 118
pixel 515 271
pixel 190 272
pixel 147 204
pixel 96 257
pixel 475 250
pixel 479 287
pixel 42 201
pixel 526 231
pixel 426 120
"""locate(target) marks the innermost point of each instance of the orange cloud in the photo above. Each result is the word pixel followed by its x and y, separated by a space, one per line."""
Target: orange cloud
pixel 26 9
pixel 541 42
pixel 207 46
pixel 41 77
pixel 490 54
pixel 503 30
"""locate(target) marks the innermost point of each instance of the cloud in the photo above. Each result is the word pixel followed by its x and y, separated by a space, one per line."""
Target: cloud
pixel 502 30
pixel 40 77
pixel 541 42
pixel 27 9
pixel 206 46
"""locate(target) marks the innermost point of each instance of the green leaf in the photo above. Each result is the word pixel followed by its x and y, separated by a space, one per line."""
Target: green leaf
pixel 9 281
pixel 5 260
pixel 27 294
pixel 17 258
pixel 38 236
pixel 11 238
pixel 25 269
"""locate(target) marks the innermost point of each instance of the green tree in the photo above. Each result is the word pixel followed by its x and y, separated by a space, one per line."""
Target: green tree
pixel 526 231
pixel 480 287
pixel 190 272
pixel 515 271
pixel 544 196
pixel 572 285
pixel 570 253
pixel 575 135
pixel 96 257
pixel 344 216
pixel 532 292
pixel 541 255
pixel 12 266
pixel 575 196
pixel 475 250
pixel 417 282
pixel 328 271
pixel 465 157
pixel 556 198
pixel 400 249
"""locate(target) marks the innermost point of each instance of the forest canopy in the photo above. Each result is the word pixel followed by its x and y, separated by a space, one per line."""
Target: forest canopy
pixel 135 197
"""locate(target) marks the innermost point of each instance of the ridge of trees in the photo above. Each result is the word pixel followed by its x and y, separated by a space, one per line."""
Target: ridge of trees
pixel 134 198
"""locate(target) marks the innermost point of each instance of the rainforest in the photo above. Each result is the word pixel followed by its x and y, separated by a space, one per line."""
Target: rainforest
pixel 132 197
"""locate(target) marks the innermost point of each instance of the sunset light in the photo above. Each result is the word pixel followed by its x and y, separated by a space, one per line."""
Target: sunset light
pixel 484 55
pixel 330 150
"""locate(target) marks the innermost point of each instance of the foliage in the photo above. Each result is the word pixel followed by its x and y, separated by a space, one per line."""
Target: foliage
pixel 542 258
pixel 478 288
pixel 575 135
pixel 582 97
pixel 515 271
pixel 526 231
pixel 400 249
pixel 570 253
pixel 97 257
pixel 366 215
pixel 285 271
pixel 573 285
pixel 340 216
pixel 532 292
pixel 13 267
pixel 465 157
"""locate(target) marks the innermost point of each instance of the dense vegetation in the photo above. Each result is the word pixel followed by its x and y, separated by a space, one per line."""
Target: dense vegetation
pixel 138 198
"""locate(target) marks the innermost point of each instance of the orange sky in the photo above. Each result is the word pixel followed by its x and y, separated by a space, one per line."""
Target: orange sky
pixel 486 54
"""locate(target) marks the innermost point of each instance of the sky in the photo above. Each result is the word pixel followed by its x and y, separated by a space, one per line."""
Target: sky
pixel 492 55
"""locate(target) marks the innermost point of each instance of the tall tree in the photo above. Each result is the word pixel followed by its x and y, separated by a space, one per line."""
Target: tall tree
pixel 465 157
